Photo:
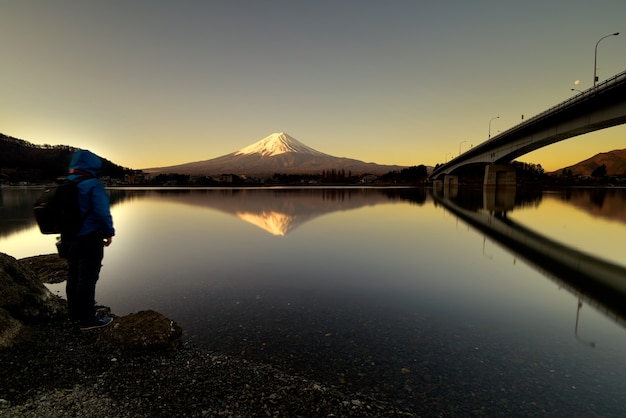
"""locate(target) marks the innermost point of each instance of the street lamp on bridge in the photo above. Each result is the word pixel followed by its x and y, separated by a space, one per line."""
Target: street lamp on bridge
pixel 491 120
pixel 595 58
pixel 462 142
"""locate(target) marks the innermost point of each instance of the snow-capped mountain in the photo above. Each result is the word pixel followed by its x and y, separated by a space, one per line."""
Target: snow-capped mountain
pixel 277 153
pixel 276 144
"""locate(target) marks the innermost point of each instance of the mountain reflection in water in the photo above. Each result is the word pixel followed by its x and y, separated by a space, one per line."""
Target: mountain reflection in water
pixel 282 210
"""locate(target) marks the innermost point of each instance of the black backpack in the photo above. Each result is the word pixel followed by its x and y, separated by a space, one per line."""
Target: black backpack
pixel 57 211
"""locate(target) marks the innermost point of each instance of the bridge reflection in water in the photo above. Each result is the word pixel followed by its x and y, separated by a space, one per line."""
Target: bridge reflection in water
pixel 592 280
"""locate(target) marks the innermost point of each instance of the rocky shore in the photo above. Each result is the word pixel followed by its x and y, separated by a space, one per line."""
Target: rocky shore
pixel 139 366
pixel 60 372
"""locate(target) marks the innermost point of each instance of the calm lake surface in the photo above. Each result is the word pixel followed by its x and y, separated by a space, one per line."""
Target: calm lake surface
pixel 381 290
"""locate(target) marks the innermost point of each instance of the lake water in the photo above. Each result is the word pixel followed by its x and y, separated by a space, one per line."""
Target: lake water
pixel 381 290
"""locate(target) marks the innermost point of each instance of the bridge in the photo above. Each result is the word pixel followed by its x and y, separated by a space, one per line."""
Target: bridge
pixel 598 107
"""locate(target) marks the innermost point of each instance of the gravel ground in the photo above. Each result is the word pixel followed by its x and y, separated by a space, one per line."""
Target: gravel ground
pixel 59 371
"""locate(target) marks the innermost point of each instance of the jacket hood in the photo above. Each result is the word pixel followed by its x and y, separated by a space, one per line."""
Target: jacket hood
pixel 86 161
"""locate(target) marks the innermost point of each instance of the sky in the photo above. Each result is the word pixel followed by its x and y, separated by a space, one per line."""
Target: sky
pixel 152 83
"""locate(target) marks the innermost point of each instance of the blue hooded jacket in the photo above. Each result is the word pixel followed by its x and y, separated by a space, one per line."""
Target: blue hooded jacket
pixel 92 198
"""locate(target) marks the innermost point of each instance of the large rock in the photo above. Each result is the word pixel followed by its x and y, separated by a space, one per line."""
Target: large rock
pixel 23 295
pixel 48 268
pixel 141 332
pixel 23 298
pixel 10 329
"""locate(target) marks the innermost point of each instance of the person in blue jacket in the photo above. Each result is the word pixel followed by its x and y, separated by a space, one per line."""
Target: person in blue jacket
pixel 86 248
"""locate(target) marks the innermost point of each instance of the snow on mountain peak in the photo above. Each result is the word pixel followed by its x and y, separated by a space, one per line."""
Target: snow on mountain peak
pixel 276 144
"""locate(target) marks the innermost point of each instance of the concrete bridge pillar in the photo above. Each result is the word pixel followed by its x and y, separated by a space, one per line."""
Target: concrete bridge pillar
pixel 450 186
pixel 499 175
pixel 450 181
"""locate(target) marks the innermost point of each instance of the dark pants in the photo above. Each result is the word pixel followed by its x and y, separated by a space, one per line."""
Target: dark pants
pixel 84 262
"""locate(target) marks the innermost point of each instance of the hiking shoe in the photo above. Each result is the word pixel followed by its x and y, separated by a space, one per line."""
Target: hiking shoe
pixel 96 323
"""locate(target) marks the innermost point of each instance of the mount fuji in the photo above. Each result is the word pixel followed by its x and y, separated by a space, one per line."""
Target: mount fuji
pixel 277 153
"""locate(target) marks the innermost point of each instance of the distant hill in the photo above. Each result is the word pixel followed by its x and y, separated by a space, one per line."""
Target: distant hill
pixel 23 161
pixel 277 153
pixel 614 161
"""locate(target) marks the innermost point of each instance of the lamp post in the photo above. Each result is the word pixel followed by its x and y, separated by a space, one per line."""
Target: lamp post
pixel 491 120
pixel 576 90
pixel 447 156
pixel 595 58
pixel 462 142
